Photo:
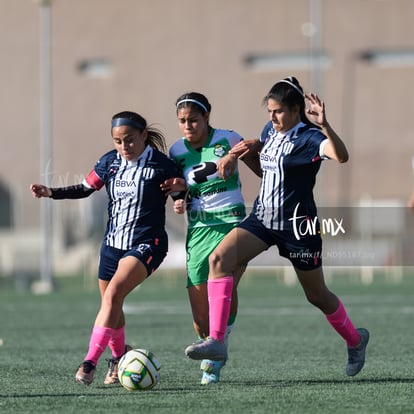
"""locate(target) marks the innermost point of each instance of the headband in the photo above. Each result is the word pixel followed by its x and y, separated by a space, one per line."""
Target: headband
pixel 291 84
pixel 194 101
pixel 127 122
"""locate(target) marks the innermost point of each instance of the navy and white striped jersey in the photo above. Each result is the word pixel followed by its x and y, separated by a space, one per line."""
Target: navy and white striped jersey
pixel 290 161
pixel 136 208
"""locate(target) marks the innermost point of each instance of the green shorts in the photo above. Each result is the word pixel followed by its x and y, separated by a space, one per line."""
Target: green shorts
pixel 201 241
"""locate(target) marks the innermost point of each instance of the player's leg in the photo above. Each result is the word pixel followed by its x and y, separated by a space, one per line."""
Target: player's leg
pixel 198 298
pixel 108 264
pixel 226 263
pixel 199 307
pixel 130 273
pixel 198 248
pixel 319 295
pixel 134 267
pixel 200 243
pixel 116 342
pixel 212 369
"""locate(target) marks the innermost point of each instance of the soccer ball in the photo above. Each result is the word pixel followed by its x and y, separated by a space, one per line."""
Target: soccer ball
pixel 139 370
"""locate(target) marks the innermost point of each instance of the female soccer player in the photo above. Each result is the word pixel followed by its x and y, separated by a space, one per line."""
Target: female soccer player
pixel 214 206
pixel 135 241
pixel 290 157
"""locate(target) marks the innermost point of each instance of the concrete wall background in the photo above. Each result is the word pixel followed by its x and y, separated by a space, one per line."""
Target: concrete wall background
pixel 159 49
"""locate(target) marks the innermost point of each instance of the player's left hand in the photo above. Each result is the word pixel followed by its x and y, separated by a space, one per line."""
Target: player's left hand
pixel 316 109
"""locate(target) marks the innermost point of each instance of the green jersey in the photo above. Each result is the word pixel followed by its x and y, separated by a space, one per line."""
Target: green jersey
pixel 212 201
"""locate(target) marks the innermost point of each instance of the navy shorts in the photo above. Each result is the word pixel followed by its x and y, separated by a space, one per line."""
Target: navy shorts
pixel 304 254
pixel 150 255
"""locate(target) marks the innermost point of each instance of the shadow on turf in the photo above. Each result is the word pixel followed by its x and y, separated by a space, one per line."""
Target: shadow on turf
pixel 271 384
pixel 47 395
pixel 97 394
pixel 284 383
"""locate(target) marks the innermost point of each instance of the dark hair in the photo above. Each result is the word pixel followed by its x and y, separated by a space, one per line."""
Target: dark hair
pixel 155 138
pixel 195 100
pixel 289 92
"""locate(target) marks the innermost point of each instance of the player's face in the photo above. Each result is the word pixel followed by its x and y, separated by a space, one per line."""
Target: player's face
pixel 193 125
pixel 129 142
pixel 282 117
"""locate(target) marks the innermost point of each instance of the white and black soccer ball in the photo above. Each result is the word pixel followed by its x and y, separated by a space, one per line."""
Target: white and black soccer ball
pixel 139 370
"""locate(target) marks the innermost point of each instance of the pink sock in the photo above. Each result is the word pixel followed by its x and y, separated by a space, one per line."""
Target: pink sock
pixel 219 299
pixel 117 342
pixel 98 342
pixel 343 325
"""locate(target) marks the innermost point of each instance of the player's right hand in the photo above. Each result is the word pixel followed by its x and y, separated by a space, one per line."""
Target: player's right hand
pixel 40 190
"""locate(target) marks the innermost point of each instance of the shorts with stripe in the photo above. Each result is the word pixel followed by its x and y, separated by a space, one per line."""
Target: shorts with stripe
pixel 304 254
pixel 150 254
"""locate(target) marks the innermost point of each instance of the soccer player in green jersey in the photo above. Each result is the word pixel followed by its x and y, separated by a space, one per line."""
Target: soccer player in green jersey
pixel 214 205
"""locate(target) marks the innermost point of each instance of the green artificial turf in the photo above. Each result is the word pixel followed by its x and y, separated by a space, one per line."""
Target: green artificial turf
pixel 284 357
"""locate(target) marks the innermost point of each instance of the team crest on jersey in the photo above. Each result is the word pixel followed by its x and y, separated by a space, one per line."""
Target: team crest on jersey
pixel 114 167
pixel 219 150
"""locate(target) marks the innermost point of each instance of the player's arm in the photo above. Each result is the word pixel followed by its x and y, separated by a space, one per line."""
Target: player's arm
pixel 334 148
pixel 90 184
pixel 60 193
pixel 248 151
pixel 176 187
pixel 227 165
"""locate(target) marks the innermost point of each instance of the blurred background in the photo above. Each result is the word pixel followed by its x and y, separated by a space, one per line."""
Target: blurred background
pixel 69 65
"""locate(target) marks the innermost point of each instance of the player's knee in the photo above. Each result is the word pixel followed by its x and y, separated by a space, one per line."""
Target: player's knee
pixel 112 299
pixel 320 299
pixel 216 262
pixel 313 300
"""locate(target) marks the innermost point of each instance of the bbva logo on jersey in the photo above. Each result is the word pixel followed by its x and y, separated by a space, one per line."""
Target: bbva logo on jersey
pixel 125 183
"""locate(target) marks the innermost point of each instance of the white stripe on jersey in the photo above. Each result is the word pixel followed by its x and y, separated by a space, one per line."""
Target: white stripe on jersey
pixel 272 195
pixel 126 191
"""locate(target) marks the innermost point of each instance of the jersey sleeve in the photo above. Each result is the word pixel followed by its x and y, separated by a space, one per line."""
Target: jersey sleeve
pixel 173 170
pixel 98 176
pixel 266 132
pixel 234 138
pixel 71 192
pixel 322 149
pixel 315 144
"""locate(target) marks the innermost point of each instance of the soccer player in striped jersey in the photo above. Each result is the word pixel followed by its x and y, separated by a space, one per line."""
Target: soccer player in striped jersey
pixel 214 205
pixel 135 241
pixel 292 149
